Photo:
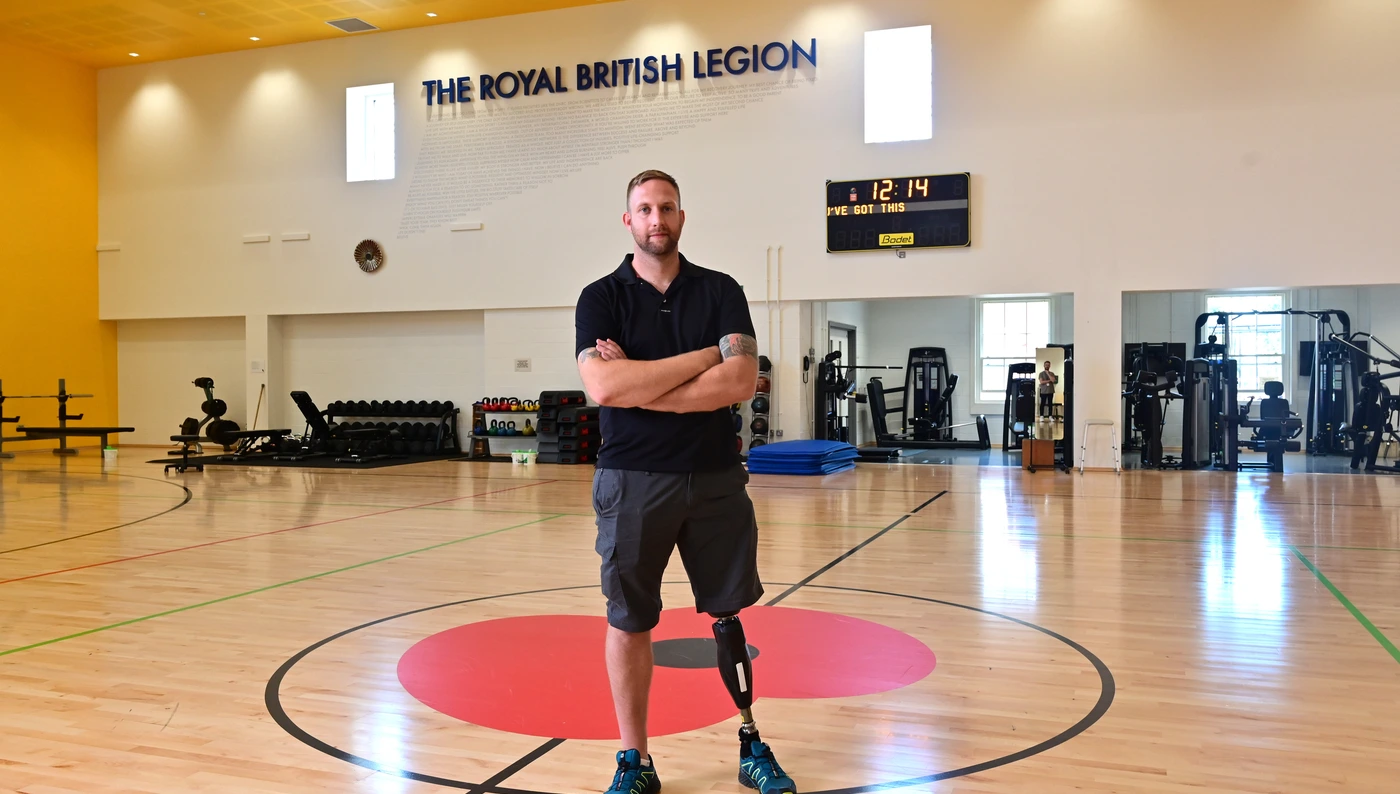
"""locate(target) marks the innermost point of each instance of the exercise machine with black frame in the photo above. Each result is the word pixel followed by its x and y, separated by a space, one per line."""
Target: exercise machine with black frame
pixel 1018 411
pixel 1374 418
pixel 1151 386
pixel 1154 357
pixel 1213 415
pixel 925 406
pixel 1334 373
pixel 829 386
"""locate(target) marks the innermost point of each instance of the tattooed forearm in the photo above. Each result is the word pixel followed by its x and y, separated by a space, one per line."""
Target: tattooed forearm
pixel 738 345
pixel 591 352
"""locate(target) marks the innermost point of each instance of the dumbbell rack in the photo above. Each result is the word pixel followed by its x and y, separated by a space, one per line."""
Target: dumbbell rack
pixel 442 428
pixel 482 418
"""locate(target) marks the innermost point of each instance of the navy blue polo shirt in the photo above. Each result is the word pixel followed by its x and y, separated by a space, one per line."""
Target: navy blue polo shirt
pixel 699 308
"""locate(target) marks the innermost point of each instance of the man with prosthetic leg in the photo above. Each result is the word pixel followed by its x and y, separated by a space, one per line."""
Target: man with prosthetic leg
pixel 665 347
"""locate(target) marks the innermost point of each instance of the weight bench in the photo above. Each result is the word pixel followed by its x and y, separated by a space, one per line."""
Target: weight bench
pixel 249 443
pixel 362 445
pixel 64 433
pixel 1273 430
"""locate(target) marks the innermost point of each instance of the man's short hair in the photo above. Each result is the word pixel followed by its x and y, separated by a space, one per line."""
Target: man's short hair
pixel 647 176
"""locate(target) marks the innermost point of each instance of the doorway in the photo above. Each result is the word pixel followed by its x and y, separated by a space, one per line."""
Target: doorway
pixel 842 337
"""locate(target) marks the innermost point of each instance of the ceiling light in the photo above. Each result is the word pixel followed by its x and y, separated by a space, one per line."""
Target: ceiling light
pixel 254 38
pixel 431 14
pixel 134 54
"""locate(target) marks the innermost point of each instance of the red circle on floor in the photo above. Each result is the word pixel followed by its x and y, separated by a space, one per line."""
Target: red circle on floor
pixel 544 675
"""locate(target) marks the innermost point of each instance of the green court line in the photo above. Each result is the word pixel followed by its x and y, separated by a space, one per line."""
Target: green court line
pixel 189 607
pixel 1346 602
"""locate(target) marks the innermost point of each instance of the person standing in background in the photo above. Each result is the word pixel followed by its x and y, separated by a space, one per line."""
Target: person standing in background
pixel 1047 381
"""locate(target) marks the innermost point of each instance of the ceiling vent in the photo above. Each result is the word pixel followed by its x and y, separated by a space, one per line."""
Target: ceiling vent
pixel 351 25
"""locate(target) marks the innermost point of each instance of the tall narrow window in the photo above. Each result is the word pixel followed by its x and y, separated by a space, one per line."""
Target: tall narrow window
pixel 369 132
pixel 1008 332
pixel 1256 340
pixel 899 84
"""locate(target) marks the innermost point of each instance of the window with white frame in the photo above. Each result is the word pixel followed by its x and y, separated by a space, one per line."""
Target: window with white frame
pixel 369 132
pixel 899 84
pixel 1257 341
pixel 1008 332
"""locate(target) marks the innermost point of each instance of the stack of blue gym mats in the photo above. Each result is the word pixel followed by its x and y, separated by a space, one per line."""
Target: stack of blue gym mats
pixel 803 457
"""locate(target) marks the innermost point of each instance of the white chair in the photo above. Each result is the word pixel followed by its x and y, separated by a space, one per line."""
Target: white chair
pixel 1113 438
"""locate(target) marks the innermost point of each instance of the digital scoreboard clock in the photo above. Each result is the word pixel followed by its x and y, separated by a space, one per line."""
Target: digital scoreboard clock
pixel 899 212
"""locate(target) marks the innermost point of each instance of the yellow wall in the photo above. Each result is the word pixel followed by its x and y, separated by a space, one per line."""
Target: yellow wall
pixel 48 263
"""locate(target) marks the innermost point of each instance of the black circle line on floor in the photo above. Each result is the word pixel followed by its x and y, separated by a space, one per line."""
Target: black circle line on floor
pixel 188 496
pixel 272 700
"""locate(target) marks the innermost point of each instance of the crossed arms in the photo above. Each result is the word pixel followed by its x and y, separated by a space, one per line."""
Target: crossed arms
pixel 702 380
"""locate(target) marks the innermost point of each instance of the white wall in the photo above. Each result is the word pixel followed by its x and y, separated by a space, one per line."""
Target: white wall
pixel 1231 145
pixel 157 364
pixel 390 356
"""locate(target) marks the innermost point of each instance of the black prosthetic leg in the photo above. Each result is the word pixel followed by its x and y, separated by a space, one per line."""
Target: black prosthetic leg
pixel 736 669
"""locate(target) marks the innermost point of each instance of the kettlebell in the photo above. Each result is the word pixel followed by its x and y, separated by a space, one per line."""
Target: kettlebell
pixel 529 431
pixel 495 428
pixel 515 403
pixel 510 429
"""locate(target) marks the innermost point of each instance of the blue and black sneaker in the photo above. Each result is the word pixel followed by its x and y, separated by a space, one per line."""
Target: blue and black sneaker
pixel 758 769
pixel 633 777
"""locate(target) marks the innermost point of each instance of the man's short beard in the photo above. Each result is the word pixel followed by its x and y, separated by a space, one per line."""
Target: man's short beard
pixel 657 247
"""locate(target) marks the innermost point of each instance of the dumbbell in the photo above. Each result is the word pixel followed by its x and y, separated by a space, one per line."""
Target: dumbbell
pixel 435 408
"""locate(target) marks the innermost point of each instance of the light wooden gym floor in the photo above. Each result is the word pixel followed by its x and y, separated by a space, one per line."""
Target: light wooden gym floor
pixel 1243 627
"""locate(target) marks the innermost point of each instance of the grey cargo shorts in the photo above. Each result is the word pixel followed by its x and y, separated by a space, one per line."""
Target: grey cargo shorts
pixel 643 516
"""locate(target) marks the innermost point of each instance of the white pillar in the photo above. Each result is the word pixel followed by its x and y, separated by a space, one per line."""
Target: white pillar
pixel 1098 351
pixel 262 355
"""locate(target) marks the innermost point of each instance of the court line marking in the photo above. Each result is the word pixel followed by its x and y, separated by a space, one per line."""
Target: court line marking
pixel 265 534
pixel 188 496
pixel 298 580
pixel 1346 602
